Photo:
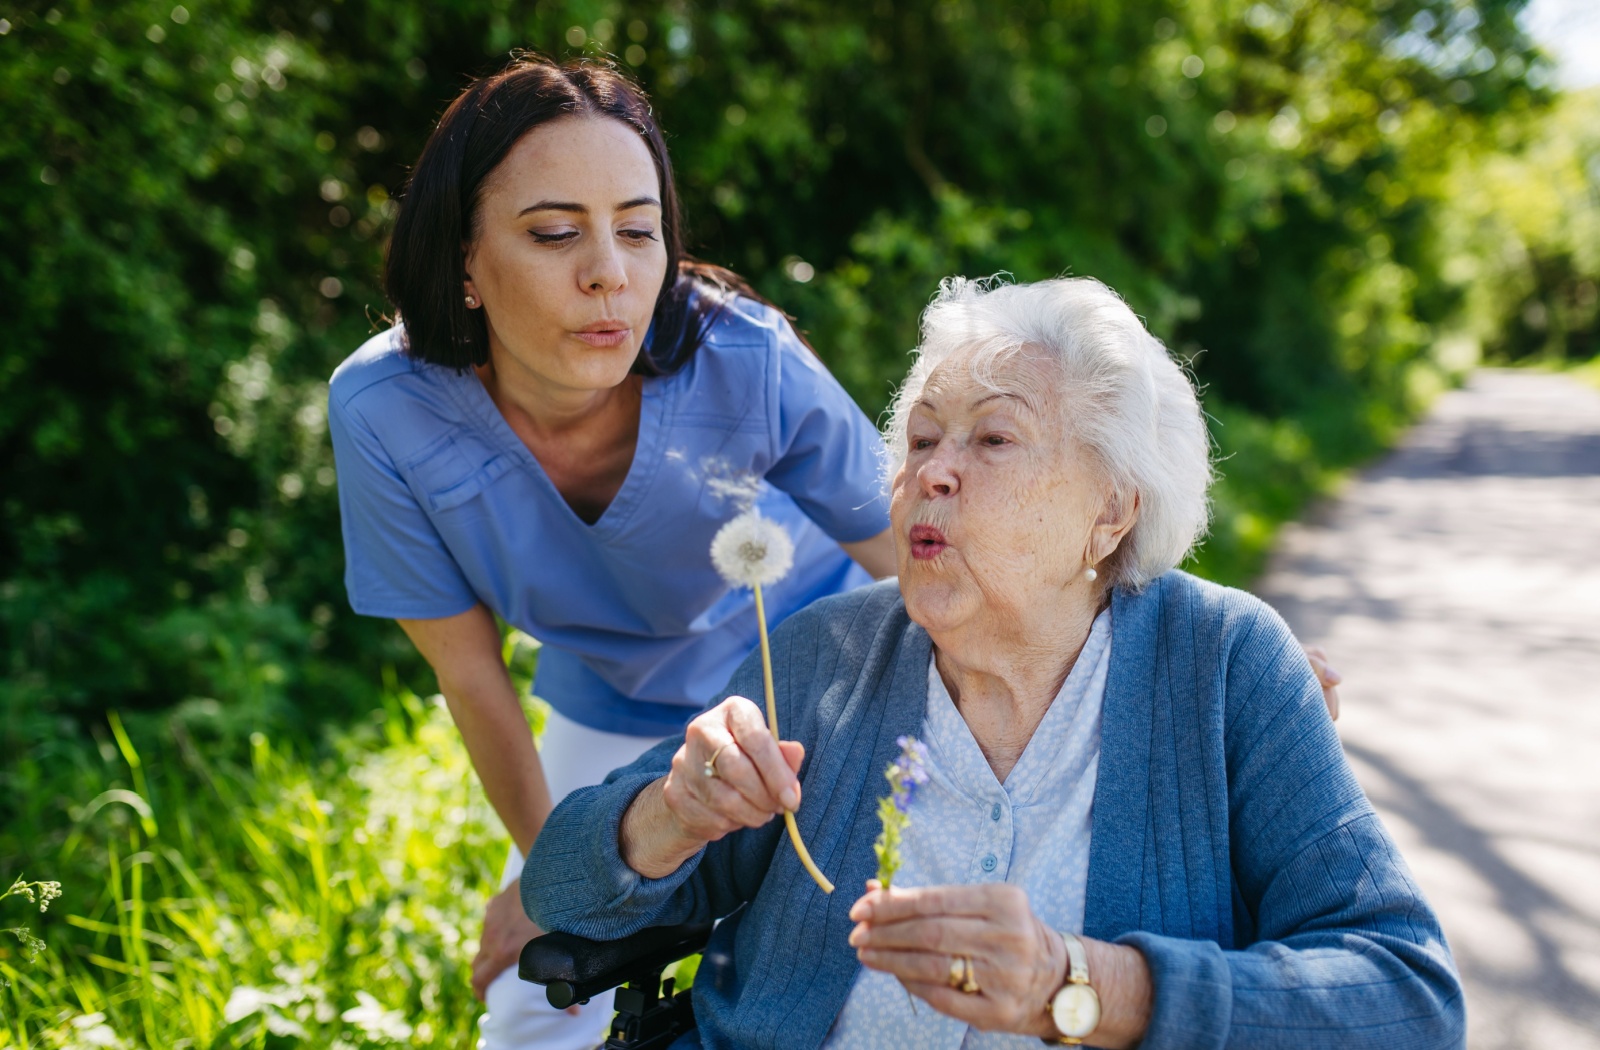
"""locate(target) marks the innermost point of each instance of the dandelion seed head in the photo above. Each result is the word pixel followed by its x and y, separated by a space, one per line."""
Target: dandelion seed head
pixel 750 550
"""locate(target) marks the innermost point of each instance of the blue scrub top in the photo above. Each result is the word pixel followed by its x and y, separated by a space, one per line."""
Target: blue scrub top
pixel 443 506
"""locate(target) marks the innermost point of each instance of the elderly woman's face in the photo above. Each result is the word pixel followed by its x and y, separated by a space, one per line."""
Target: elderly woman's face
pixel 994 507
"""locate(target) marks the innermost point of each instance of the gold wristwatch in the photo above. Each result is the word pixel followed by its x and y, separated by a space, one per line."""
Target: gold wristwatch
pixel 1075 1009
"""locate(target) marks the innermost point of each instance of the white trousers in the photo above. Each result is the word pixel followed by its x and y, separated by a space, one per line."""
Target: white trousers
pixel 519 1017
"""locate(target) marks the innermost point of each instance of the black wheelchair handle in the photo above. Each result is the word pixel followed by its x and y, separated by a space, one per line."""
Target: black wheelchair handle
pixel 575 969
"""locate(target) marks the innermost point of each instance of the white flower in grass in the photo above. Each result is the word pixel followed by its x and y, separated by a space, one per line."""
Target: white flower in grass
pixel 750 550
pixel 375 1022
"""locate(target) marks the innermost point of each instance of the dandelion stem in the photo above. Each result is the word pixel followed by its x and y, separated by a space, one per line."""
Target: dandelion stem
pixel 772 724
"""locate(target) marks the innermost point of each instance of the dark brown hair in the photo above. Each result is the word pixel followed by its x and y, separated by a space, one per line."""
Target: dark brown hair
pixel 424 271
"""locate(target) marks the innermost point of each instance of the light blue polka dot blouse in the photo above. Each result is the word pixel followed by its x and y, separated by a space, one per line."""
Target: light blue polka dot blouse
pixel 967 827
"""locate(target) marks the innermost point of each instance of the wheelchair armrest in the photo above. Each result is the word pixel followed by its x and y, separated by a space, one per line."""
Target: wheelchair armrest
pixel 575 969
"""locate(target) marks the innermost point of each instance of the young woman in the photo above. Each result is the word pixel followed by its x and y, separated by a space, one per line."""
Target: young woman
pixel 569 411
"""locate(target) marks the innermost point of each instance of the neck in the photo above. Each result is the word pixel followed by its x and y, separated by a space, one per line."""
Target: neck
pixel 1002 686
pixel 535 406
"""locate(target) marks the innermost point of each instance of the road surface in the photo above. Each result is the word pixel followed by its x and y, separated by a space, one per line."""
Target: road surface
pixel 1457 585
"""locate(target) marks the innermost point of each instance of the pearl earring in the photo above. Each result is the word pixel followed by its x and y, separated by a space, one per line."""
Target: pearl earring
pixel 471 301
pixel 1090 575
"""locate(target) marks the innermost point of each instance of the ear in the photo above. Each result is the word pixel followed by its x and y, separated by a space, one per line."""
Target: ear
pixel 1117 517
pixel 468 288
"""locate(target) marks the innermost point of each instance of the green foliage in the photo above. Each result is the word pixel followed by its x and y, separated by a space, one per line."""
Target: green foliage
pixel 193 205
pixel 294 898
pixel 1524 238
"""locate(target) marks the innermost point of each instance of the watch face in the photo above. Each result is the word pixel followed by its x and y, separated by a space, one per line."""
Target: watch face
pixel 1076 1010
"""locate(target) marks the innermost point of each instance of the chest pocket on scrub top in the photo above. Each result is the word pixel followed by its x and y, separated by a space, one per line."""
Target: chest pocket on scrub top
pixel 448 474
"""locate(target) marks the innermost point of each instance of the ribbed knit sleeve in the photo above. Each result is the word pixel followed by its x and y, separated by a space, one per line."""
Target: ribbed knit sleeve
pixel 1346 952
pixel 575 880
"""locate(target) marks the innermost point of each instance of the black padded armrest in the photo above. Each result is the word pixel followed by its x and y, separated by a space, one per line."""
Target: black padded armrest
pixel 575 969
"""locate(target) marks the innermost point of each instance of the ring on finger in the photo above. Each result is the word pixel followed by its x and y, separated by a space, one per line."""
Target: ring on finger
pixel 969 980
pixel 962 978
pixel 711 763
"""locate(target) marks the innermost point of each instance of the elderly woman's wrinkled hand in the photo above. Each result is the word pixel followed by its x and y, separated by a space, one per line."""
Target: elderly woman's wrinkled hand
pixel 1017 962
pixel 730 773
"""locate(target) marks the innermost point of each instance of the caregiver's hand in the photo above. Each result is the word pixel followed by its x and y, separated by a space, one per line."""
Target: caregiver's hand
pixel 1327 677
pixel 678 814
pixel 1017 961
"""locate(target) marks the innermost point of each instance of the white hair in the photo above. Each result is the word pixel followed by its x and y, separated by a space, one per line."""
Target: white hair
pixel 1124 400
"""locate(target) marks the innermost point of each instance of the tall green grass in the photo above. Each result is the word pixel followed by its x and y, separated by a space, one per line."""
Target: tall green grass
pixel 296 896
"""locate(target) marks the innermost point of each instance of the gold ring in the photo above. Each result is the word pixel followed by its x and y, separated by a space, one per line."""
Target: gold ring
pixel 962 978
pixel 711 763
pixel 969 978
pixel 958 971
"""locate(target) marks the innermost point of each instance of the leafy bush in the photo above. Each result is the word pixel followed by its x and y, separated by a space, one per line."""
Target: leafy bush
pixel 193 203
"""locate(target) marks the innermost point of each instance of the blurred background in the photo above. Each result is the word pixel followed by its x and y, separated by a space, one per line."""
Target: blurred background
pixel 266 837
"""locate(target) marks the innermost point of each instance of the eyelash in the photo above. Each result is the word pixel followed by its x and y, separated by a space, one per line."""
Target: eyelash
pixel 636 236
pixel 992 440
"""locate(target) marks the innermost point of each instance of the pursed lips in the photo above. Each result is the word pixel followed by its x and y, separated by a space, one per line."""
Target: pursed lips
pixel 604 334
pixel 927 542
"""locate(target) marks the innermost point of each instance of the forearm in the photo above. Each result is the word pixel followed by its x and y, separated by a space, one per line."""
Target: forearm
pixel 464 651
pixel 1121 977
pixel 650 841
pixel 876 554
pixel 500 743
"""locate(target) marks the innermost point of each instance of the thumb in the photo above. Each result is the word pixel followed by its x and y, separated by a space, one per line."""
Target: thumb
pixel 793 753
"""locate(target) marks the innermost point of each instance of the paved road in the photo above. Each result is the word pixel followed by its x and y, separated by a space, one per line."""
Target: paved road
pixel 1457 583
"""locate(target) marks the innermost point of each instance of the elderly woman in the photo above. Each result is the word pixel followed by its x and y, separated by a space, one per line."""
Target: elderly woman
pixel 1138 826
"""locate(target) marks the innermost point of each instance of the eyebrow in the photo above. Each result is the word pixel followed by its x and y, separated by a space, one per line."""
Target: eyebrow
pixel 925 402
pixel 583 209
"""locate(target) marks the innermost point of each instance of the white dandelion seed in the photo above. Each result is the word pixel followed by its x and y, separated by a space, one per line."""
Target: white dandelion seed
pixel 751 551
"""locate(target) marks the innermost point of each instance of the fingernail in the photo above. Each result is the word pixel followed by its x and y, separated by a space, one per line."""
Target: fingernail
pixel 791 797
pixel 855 937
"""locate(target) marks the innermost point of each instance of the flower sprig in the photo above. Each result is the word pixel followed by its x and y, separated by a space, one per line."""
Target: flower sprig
pixel 749 551
pixel 40 893
pixel 905 774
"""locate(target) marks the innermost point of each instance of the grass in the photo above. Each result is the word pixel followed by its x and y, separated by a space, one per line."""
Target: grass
pixel 1587 372
pixel 277 901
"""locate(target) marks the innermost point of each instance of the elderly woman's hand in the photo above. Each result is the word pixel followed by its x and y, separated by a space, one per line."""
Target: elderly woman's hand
pixel 729 774
pixel 1018 963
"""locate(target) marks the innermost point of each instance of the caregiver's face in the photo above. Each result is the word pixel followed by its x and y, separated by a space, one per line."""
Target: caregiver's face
pixel 993 508
pixel 567 258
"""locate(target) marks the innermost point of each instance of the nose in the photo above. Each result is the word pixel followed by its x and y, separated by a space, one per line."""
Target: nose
pixel 602 272
pixel 940 473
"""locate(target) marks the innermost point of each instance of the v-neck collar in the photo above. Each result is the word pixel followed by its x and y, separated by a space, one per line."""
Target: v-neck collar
pixel 469 392
pixel 970 771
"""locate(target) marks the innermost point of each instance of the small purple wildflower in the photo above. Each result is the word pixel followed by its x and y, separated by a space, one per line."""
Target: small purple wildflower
pixel 908 772
pixel 905 774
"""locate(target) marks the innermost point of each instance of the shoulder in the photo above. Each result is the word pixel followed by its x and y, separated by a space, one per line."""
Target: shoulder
pixel 1177 603
pixel 730 378
pixel 378 361
pixel 743 321
pixel 843 634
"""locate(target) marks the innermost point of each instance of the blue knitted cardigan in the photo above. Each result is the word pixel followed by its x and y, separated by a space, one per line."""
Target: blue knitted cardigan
pixel 1231 842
